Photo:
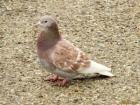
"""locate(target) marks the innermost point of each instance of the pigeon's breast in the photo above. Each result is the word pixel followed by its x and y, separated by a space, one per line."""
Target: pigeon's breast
pixel 45 64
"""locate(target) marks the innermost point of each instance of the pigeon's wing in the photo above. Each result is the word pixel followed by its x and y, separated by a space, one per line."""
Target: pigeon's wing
pixel 69 58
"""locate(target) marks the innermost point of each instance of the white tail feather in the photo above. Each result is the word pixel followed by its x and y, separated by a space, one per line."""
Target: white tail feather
pixel 97 68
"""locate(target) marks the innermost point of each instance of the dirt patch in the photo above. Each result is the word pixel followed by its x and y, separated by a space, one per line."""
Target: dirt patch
pixel 107 30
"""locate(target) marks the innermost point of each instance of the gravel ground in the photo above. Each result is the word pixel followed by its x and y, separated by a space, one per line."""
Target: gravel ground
pixel 107 30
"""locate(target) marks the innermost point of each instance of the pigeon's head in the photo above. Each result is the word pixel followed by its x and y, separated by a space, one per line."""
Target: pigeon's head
pixel 47 23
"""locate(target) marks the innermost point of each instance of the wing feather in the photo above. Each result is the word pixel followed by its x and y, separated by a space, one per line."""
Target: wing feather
pixel 69 58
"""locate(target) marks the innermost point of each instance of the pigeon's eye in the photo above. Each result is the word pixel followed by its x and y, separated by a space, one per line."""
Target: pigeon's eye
pixel 45 21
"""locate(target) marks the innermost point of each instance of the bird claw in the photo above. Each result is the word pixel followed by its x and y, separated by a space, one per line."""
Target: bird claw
pixel 51 78
pixel 61 82
pixel 58 81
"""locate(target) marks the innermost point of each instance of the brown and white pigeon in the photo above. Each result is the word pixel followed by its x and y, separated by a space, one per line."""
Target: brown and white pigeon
pixel 62 58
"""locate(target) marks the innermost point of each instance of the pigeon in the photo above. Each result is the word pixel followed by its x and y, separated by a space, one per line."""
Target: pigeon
pixel 60 57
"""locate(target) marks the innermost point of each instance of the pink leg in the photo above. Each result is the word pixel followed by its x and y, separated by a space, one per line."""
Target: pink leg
pixel 58 81
pixel 61 82
pixel 52 78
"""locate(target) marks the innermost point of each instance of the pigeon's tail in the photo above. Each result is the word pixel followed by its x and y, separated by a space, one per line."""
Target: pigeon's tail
pixel 97 68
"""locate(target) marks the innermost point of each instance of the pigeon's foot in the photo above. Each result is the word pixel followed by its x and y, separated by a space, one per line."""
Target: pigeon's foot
pixel 57 81
pixel 52 78
pixel 61 82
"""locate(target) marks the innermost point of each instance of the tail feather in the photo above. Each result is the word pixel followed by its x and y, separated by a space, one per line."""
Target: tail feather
pixel 97 68
pixel 107 73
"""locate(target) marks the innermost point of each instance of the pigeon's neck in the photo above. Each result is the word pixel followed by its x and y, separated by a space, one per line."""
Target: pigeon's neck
pixel 47 39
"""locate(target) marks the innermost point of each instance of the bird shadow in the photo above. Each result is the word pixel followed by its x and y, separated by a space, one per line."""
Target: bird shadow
pixel 99 77
pixel 83 79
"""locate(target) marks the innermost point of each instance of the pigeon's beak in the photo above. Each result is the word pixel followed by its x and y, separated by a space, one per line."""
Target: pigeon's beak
pixel 37 25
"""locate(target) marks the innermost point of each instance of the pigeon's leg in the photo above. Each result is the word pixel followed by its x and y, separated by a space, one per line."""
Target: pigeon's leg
pixel 61 82
pixel 52 78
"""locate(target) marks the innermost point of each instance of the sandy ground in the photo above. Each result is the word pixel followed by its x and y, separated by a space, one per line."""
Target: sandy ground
pixel 107 30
